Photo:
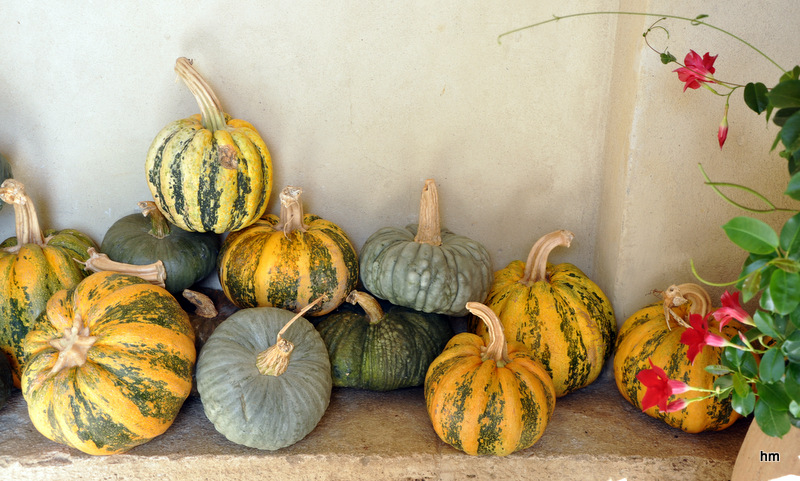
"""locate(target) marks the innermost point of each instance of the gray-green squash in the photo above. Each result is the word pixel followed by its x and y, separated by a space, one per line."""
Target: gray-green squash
pixel 424 267
pixel 148 237
pixel 381 351
pixel 264 377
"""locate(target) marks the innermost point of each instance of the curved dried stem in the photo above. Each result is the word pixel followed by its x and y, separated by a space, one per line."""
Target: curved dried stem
pixel 497 349
pixel 536 264
pixel 154 273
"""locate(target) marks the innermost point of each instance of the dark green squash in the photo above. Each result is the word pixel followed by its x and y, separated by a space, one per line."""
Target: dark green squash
pixel 144 238
pixel 379 351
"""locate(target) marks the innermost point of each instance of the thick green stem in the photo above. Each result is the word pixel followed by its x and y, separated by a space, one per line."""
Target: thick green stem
pixel 210 107
pixel 694 21
pixel 159 226
pixel 430 227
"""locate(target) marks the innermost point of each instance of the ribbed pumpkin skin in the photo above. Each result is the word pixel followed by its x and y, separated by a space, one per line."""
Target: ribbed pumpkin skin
pixel 257 410
pixel 137 374
pixel 439 279
pixel 567 321
pixel 188 257
pixel 262 267
pixel 480 408
pixel 645 335
pixel 191 186
pixel 392 353
pixel 28 277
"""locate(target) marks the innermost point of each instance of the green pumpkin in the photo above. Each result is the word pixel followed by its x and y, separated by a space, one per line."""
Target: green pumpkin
pixel 425 267
pixel 5 172
pixel 264 377
pixel 380 351
pixel 145 238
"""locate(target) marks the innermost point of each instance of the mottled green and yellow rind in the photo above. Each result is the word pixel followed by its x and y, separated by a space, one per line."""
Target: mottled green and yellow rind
pixel 137 374
pixel 392 353
pixel 261 266
pixel 192 187
pixel 565 320
pixel 480 407
pixel 644 336
pixel 29 275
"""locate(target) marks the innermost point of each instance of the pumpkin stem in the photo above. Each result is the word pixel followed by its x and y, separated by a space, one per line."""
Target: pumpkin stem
pixel 291 217
pixel 497 349
pixel 370 305
pixel 274 360
pixel 73 348
pixel 430 227
pixel 159 226
pixel 153 273
pixel 536 265
pixel 27 222
pixel 203 305
pixel 678 295
pixel 210 107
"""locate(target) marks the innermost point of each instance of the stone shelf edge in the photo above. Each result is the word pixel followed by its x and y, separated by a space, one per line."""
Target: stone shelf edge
pixel 594 435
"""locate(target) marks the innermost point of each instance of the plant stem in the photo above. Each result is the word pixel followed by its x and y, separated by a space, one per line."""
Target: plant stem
pixel 694 21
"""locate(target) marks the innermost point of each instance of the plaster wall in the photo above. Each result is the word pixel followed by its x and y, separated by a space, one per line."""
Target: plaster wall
pixel 574 124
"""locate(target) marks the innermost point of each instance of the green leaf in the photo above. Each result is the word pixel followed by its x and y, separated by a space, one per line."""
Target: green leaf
pixel 739 360
pixel 743 404
pixel 667 58
pixel 772 366
pixel 752 235
pixel 781 116
pixel 787 264
pixel 766 324
pixel 793 189
pixel 794 408
pixel 791 347
pixel 790 235
pixel 791 74
pixel 784 291
pixel 755 96
pixel 785 94
pixel 717 370
pixel 792 381
pixel 774 394
pixel 790 133
pixel 740 384
pixel 772 423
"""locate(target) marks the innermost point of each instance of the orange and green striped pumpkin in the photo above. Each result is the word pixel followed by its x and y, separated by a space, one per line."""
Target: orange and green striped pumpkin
pixel 654 332
pixel 110 365
pixel 557 311
pixel 287 261
pixel 209 172
pixel 488 398
pixel 33 266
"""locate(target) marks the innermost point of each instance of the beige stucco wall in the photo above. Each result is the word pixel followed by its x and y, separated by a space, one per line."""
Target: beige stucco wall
pixel 572 125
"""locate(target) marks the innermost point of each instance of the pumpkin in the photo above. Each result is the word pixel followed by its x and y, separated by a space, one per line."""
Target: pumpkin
pixel 6 380
pixel 424 267
pixel 378 350
pixel 264 377
pixel 144 238
pixel 654 333
pixel 33 266
pixel 555 310
pixel 5 172
pixel 287 261
pixel 110 365
pixel 209 172
pixel 488 398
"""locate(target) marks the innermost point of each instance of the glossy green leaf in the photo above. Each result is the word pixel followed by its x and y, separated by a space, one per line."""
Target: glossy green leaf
pixel 772 366
pixel 755 96
pixel 791 347
pixel 786 94
pixel 740 361
pixel 717 369
pixel 667 58
pixel 751 285
pixel 766 324
pixel 792 381
pixel 774 394
pixel 793 188
pixel 790 133
pixel 743 404
pixel 794 408
pixel 784 291
pixel 772 423
pixel 781 116
pixel 752 235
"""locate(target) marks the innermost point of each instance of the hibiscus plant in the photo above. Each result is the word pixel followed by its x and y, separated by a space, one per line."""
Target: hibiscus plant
pixel 759 370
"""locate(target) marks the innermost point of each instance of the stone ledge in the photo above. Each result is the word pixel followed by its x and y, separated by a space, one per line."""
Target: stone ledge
pixel 594 435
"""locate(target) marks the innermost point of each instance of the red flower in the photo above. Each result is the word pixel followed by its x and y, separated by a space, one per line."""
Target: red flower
pixel 696 70
pixel 698 336
pixel 659 388
pixel 731 309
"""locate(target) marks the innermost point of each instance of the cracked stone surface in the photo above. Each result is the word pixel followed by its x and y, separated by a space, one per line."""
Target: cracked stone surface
pixel 594 435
